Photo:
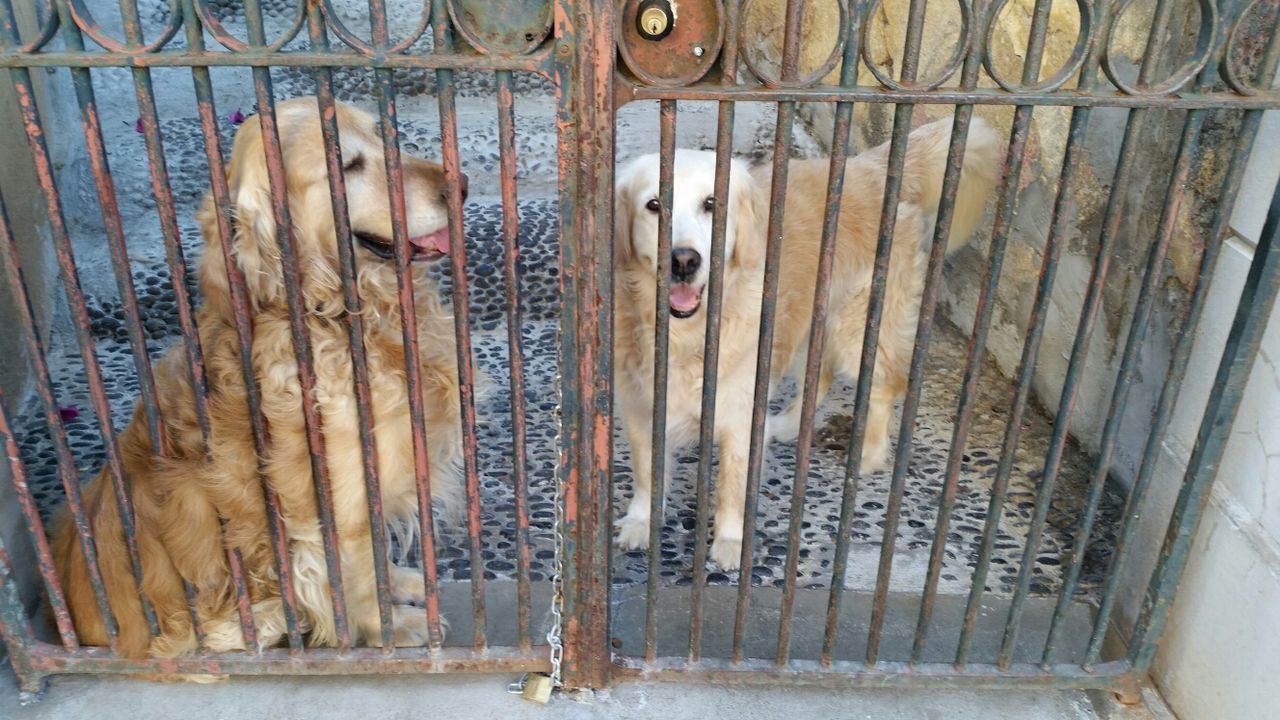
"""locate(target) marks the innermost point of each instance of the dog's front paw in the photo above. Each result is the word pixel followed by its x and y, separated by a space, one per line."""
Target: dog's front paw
pixel 412 629
pixel 875 454
pixel 782 428
pixel 633 532
pixel 726 552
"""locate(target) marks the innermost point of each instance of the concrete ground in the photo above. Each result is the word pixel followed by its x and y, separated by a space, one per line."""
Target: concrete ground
pixel 484 696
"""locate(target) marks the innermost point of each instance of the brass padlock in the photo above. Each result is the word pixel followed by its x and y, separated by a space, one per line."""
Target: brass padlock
pixel 537 688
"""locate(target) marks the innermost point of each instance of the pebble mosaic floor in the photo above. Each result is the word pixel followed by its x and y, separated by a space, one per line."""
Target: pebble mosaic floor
pixel 539 295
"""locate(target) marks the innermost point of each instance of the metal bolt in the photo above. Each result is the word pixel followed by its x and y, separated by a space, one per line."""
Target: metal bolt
pixel 698 51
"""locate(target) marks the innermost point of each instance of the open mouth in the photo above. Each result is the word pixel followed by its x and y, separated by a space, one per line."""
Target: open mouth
pixel 424 248
pixel 685 299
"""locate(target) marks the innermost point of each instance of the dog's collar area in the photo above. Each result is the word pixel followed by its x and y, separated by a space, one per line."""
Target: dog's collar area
pixel 383 248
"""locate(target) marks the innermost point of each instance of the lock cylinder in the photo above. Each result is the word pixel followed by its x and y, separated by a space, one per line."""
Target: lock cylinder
pixel 655 19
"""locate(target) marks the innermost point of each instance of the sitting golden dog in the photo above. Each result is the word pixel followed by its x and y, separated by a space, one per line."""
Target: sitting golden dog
pixel 636 237
pixel 179 499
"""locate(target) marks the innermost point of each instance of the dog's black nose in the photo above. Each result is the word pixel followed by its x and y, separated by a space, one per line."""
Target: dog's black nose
pixel 685 263
pixel 462 185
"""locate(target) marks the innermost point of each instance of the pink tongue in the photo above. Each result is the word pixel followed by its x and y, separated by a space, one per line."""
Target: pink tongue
pixel 684 297
pixel 438 241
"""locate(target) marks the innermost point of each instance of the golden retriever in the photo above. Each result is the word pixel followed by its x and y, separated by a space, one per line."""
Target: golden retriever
pixel 180 498
pixel 636 231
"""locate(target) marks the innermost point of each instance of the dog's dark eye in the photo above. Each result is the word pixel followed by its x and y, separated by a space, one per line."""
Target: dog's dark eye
pixel 355 164
pixel 653 205
pixel 709 204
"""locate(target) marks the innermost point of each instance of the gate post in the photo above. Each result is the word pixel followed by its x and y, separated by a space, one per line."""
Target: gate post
pixel 584 67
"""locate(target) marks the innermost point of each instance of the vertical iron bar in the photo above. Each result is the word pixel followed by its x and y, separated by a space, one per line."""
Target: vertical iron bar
pixel 243 322
pixel 768 309
pixel 875 308
pixel 329 131
pixel 35 526
pixel 515 347
pixel 584 76
pixel 924 335
pixel 1247 331
pixel 662 321
pixel 299 329
pixel 711 366
pixel 461 312
pixel 1084 333
pixel 1181 355
pixel 1005 209
pixel 16 632
pixel 22 86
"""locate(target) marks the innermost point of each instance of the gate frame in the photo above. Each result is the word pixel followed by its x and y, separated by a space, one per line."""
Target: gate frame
pixel 581 58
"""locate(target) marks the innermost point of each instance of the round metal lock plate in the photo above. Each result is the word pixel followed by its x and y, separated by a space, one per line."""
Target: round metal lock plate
pixel 679 54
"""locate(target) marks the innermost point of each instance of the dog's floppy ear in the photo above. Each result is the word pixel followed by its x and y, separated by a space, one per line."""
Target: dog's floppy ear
pixel 255 246
pixel 748 239
pixel 623 250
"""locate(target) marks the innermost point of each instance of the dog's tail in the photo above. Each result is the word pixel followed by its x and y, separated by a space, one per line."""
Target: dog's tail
pixel 926 164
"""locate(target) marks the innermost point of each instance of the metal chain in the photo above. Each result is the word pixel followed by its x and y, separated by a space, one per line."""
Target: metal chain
pixel 557 580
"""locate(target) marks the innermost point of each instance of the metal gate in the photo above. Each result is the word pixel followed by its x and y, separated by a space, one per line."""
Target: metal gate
pixel 599 56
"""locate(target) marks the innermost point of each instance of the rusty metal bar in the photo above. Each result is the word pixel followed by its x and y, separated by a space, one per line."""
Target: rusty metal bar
pixel 711 359
pixel 924 333
pixel 768 310
pixel 855 674
pixel 461 311
pixel 976 96
pixel 299 330
pixel 1005 208
pixel 15 628
pixel 1080 348
pixel 584 77
pixel 1141 318
pixel 1248 329
pixel 31 515
pixel 515 348
pixel 335 167
pixel 537 62
pixel 658 459
pixel 21 79
pixel 1181 355
pixel 243 321
pixel 48 658
pixel 875 308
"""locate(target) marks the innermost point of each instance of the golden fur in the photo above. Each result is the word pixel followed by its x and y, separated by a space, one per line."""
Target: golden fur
pixel 178 499
pixel 636 239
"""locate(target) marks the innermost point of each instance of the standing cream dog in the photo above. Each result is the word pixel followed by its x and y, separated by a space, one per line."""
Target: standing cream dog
pixel 636 235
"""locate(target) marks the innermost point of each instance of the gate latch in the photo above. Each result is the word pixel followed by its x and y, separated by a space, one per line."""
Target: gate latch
pixel 655 19
pixel 534 687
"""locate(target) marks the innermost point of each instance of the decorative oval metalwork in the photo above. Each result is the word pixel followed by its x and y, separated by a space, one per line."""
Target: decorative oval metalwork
pixel 776 81
pixel 360 45
pixel 502 27
pixel 235 44
pixel 11 39
pixel 953 63
pixel 1230 71
pixel 682 57
pixel 1205 42
pixel 1084 41
pixel 83 18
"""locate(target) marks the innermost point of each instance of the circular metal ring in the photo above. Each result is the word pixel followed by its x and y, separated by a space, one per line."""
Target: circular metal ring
pixel 1084 41
pixel 235 44
pixel 355 42
pixel 532 41
pixel 700 70
pixel 1231 73
pixel 837 52
pixel 953 63
pixel 1181 76
pixel 84 20
pixel 45 32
